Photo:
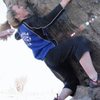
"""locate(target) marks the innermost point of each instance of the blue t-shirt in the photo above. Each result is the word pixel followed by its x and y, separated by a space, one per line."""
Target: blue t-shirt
pixel 39 46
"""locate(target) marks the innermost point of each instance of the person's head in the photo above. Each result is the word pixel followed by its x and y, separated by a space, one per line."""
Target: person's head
pixel 19 12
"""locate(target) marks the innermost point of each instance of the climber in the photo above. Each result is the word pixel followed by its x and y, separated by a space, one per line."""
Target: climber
pixel 33 30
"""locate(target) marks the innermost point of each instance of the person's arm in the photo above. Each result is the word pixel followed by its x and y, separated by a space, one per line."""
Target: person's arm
pixel 54 14
pixel 47 20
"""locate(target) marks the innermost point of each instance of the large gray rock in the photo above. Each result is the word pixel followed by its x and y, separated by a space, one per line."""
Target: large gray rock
pixel 86 93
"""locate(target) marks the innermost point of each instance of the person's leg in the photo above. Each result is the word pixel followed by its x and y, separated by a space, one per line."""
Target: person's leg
pixel 61 73
pixel 68 77
pixel 71 81
pixel 87 65
pixel 82 54
pixel 64 93
pixel 57 61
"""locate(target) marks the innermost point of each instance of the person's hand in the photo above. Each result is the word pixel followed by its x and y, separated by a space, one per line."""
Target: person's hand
pixel 64 3
pixel 5 34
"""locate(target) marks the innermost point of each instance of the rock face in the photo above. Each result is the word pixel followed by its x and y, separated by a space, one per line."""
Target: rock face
pixel 86 93
pixel 77 13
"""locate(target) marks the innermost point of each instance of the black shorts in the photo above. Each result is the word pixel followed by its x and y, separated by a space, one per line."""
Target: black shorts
pixel 58 58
